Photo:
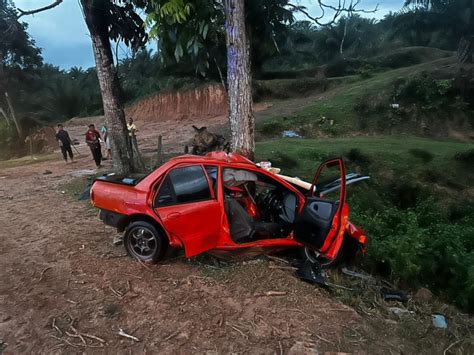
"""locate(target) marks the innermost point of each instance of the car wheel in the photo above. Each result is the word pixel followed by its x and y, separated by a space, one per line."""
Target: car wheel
pixel 325 263
pixel 143 241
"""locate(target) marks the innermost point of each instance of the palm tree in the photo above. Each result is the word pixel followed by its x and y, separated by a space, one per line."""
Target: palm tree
pixel 460 15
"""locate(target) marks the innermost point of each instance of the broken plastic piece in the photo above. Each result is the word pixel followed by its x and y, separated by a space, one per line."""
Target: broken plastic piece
pixel 394 295
pixel 311 273
pixel 439 321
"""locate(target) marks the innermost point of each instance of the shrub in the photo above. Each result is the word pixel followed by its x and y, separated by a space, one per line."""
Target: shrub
pixel 466 157
pixel 356 156
pixel 422 154
pixel 418 246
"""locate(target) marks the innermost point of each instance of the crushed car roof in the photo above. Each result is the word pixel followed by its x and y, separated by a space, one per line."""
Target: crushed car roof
pixel 216 156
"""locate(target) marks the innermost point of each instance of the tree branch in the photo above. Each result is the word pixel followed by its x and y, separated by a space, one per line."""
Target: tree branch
pixel 342 7
pixel 35 11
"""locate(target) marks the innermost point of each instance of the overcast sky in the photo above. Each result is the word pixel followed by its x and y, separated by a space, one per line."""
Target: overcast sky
pixel 63 37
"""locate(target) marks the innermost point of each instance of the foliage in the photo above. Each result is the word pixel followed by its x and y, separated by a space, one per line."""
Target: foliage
pixel 16 46
pixel 425 91
pixel 192 34
pixel 466 157
pixel 418 234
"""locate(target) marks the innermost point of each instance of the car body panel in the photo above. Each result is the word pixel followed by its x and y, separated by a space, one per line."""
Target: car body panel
pixel 203 226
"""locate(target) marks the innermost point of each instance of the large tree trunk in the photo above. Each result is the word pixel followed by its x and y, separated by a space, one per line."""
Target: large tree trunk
pixel 242 124
pixel 95 15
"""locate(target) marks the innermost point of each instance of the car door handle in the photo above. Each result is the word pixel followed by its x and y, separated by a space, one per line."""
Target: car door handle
pixel 174 215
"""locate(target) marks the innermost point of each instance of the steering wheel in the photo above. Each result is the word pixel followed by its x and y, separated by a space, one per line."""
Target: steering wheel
pixel 272 203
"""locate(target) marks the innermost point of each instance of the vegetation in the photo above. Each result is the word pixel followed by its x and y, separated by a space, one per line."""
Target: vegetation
pixel 419 217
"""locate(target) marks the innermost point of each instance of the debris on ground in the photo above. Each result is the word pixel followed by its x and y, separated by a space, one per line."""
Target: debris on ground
pixel 311 273
pixel 400 312
pixel 125 335
pixel 394 295
pixel 359 275
pixel 47 172
pixel 439 321
pixel 290 134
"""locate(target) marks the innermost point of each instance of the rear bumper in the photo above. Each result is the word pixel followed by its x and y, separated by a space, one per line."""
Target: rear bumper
pixel 113 219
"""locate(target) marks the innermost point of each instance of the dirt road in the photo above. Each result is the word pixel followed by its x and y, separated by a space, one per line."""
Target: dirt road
pixel 64 287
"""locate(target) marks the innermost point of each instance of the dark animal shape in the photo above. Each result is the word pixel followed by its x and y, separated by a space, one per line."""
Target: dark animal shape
pixel 205 142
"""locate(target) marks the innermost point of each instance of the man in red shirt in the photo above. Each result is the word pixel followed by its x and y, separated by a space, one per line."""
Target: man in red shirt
pixel 93 141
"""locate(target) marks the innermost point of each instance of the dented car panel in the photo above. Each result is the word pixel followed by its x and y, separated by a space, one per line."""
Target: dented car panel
pixel 224 202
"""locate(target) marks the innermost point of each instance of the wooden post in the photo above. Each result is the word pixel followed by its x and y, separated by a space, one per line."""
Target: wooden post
pixel 31 148
pixel 12 113
pixel 159 151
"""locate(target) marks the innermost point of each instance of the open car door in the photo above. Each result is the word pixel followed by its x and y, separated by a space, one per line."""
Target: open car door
pixel 320 225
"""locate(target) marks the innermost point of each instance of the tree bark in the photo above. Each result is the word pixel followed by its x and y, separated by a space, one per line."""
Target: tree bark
pixel 95 16
pixel 465 49
pixel 242 123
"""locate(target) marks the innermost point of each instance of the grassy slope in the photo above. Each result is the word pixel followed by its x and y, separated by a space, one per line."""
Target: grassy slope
pixel 392 152
pixel 338 103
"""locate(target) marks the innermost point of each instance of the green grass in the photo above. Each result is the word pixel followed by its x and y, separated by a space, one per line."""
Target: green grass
pixel 386 152
pixel 337 104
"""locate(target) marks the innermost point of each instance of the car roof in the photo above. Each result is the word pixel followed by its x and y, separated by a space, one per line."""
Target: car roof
pixel 214 157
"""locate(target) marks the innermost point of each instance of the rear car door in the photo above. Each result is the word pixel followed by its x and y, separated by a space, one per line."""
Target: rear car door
pixel 322 221
pixel 188 207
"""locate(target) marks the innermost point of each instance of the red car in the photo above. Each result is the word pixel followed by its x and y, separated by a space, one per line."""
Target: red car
pixel 224 203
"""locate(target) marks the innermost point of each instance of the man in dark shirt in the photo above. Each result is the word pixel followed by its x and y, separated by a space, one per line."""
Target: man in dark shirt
pixel 64 142
pixel 93 141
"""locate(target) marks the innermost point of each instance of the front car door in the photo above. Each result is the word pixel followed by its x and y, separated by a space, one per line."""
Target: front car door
pixel 189 209
pixel 322 221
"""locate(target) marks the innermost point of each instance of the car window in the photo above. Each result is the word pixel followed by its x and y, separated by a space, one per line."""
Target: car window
pixel 212 172
pixel 189 184
pixel 165 196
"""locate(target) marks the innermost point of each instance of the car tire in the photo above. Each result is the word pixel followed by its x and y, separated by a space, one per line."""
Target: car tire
pixel 323 262
pixel 144 242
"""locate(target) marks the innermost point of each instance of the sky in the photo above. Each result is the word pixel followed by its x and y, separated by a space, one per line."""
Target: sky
pixel 63 37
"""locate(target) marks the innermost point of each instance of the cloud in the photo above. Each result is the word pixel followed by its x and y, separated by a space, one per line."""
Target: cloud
pixel 60 32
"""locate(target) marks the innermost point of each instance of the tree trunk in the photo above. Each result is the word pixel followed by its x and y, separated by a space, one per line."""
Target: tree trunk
pixel 242 124
pixel 465 49
pixel 95 15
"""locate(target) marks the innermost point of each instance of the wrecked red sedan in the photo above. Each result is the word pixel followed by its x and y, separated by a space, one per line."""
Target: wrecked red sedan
pixel 224 203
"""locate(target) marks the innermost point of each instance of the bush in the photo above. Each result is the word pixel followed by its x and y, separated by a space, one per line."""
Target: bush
pixel 425 92
pixel 422 154
pixel 466 157
pixel 356 156
pixel 420 247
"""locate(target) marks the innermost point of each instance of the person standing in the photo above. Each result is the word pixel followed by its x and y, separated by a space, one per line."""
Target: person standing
pixel 93 141
pixel 106 139
pixel 64 143
pixel 131 127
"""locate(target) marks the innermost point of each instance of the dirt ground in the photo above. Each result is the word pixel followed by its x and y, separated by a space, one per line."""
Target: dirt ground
pixel 64 287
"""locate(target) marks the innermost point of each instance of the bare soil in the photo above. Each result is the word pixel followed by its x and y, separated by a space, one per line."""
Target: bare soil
pixel 64 287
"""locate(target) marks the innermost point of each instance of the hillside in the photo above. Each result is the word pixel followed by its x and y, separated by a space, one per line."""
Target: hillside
pixel 362 104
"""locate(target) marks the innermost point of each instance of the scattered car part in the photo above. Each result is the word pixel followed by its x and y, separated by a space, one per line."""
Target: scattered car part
pixel 394 295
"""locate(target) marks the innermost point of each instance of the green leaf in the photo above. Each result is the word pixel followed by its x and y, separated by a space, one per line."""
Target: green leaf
pixel 204 31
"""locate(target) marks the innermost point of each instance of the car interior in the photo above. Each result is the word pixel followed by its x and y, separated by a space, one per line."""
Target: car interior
pixel 257 207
